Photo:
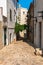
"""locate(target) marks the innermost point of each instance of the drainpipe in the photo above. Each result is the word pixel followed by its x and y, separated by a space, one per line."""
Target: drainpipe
pixel 33 21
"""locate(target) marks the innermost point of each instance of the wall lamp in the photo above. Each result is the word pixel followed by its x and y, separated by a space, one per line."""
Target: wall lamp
pixel 29 17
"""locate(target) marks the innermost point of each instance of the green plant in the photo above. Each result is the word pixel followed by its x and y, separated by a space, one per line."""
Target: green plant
pixel 19 27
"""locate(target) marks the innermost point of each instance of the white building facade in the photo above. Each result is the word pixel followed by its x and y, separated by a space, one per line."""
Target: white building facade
pixel 38 25
pixel 22 13
pixel 8 19
pixel 22 18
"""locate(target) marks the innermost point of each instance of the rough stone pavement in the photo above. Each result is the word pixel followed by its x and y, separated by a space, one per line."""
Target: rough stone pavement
pixel 19 53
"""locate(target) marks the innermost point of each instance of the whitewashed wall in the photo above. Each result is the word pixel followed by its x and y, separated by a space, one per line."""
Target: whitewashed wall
pixel 11 24
pixel 6 5
pixel 3 3
pixel 11 6
pixel 23 16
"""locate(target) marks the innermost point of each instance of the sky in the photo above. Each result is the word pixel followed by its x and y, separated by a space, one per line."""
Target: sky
pixel 25 3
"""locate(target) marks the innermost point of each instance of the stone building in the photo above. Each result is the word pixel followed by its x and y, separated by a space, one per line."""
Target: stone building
pixel 38 25
pixel 7 21
pixel 30 23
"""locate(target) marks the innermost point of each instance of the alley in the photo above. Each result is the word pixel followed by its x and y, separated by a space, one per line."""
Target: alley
pixel 19 53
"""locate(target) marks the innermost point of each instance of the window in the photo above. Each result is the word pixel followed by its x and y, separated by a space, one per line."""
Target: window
pixel 14 14
pixel 23 12
pixel 42 15
pixel 10 15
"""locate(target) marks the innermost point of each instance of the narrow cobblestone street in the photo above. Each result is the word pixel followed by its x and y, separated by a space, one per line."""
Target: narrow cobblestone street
pixel 19 53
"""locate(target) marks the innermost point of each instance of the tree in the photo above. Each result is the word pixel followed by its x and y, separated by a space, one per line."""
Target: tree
pixel 19 27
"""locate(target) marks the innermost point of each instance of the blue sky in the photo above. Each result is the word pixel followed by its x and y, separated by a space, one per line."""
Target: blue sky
pixel 25 3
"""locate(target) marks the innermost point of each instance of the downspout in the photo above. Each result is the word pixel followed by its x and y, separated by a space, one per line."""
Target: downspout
pixel 33 21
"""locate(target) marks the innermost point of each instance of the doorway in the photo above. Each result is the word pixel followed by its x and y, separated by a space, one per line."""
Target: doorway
pixel 10 37
pixel 40 24
pixel 5 29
